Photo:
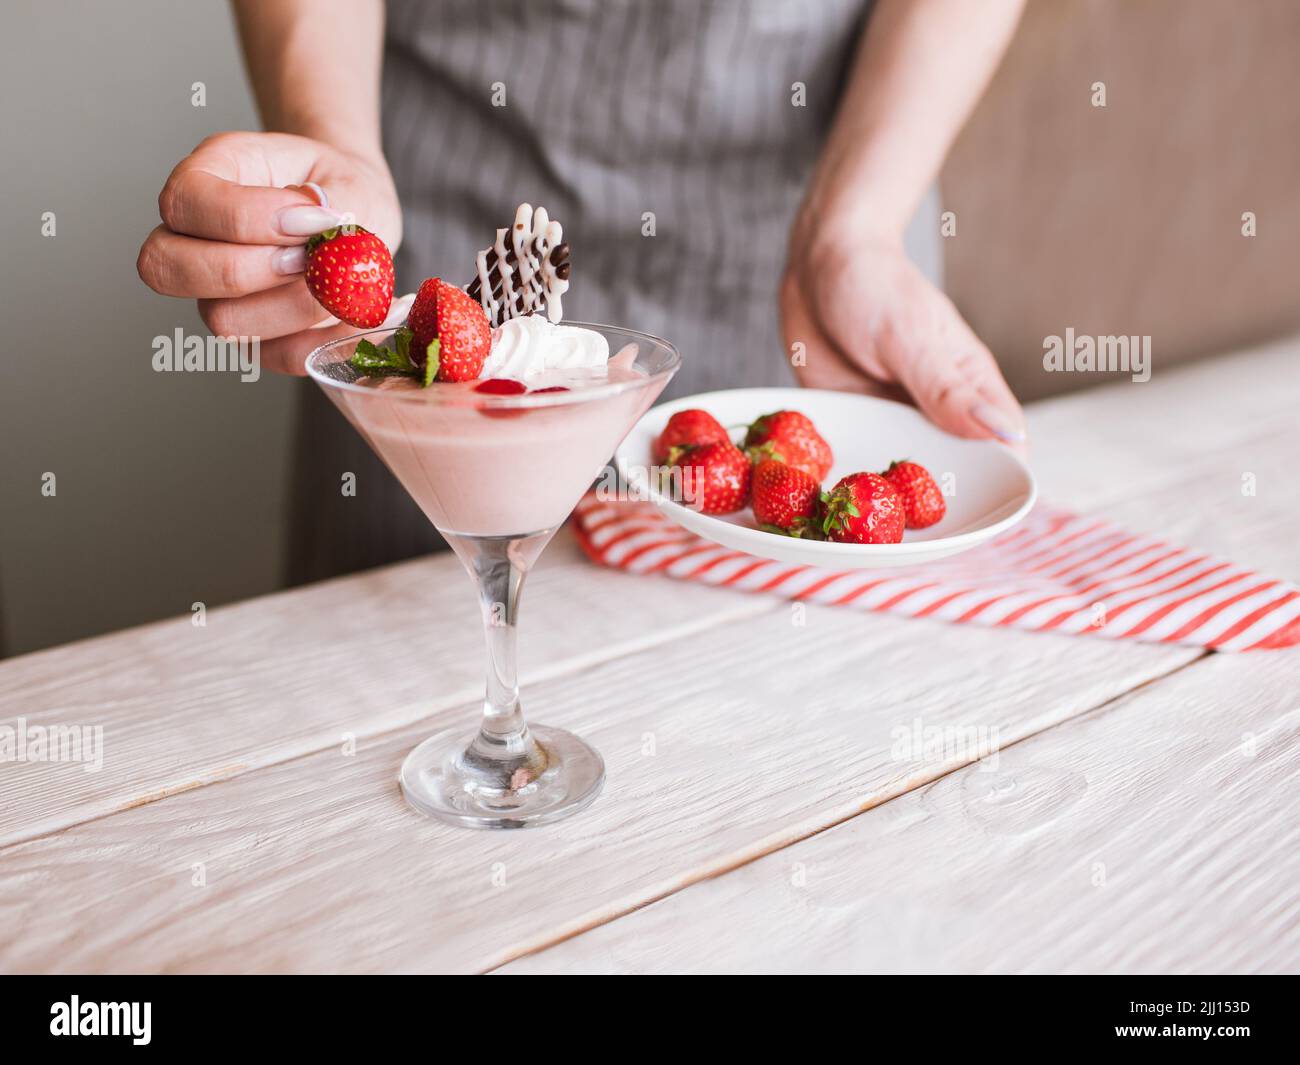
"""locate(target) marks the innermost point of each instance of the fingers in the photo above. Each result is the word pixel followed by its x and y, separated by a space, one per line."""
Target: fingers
pixel 176 265
pixel 229 189
pixel 956 382
pixel 288 354
pixel 275 312
pixel 200 204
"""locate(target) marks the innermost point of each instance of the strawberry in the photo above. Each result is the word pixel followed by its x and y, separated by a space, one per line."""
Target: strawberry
pixel 714 477
pixel 422 319
pixel 786 498
pixel 923 503
pixel 687 428
pixel 461 337
pixel 863 508
pixel 350 272
pixel 790 437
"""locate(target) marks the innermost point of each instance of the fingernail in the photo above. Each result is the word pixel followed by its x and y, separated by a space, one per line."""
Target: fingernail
pixel 290 260
pixel 306 221
pixel 321 197
pixel 397 312
pixel 998 422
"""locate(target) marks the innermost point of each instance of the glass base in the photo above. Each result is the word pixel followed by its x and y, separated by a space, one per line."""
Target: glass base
pixel 551 775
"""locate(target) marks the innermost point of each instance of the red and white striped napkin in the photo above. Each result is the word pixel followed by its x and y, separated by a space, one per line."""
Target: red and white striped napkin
pixel 1054 572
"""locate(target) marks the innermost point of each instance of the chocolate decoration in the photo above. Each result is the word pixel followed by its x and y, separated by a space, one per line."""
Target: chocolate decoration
pixel 538 294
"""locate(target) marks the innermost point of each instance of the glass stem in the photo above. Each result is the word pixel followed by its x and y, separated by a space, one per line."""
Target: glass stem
pixel 500 583
pixel 503 744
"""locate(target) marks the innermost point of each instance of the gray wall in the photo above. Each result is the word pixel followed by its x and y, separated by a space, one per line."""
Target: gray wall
pixel 170 487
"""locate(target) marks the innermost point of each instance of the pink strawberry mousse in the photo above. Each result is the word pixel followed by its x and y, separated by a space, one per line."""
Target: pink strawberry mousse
pixel 480 464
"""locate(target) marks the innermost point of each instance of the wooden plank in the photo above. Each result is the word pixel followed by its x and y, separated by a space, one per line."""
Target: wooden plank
pixel 1206 505
pixel 1159 834
pixel 279 677
pixel 719 748
pixel 1124 440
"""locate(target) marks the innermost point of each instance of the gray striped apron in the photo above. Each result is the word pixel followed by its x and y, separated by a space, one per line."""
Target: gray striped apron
pixel 663 134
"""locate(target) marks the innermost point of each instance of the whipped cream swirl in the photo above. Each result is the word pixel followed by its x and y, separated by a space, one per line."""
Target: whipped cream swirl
pixel 526 347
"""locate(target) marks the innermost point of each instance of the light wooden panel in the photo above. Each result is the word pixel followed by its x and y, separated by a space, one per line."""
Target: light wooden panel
pixel 1158 835
pixel 278 677
pixel 762 732
pixel 1121 441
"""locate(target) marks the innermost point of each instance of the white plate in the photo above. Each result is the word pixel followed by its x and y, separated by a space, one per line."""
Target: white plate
pixel 990 487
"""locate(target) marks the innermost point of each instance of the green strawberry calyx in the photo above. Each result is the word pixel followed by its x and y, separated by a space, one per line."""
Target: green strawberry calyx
pixel 678 452
pixel 757 428
pixel 767 450
pixel 348 229
pixel 840 507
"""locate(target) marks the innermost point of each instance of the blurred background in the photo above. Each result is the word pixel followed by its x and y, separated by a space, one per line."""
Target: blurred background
pixel 172 488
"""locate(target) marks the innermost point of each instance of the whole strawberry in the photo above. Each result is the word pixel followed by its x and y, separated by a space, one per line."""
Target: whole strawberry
pixel 786 499
pixel 350 272
pixel 687 428
pixel 791 438
pixel 863 508
pixel 923 503
pixel 714 478
pixel 450 337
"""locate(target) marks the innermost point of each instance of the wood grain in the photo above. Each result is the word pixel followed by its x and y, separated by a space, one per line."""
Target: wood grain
pixel 1156 835
pixel 317 864
pixel 276 678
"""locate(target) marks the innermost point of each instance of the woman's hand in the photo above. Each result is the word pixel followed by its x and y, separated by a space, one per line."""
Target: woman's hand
pixel 867 318
pixel 870 322
pixel 235 219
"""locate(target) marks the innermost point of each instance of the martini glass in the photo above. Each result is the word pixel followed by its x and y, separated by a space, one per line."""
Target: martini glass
pixel 497 475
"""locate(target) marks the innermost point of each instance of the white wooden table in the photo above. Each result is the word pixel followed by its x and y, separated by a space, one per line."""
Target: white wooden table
pixel 247 816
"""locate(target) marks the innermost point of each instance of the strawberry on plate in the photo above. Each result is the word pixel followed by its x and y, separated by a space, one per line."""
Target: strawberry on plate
pixel 350 272
pixel 863 508
pixel 786 499
pixel 713 478
pixel 923 503
pixel 789 437
pixel 687 428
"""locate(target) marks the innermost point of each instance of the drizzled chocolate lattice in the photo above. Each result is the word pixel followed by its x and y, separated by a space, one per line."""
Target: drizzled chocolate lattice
pixel 526 271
